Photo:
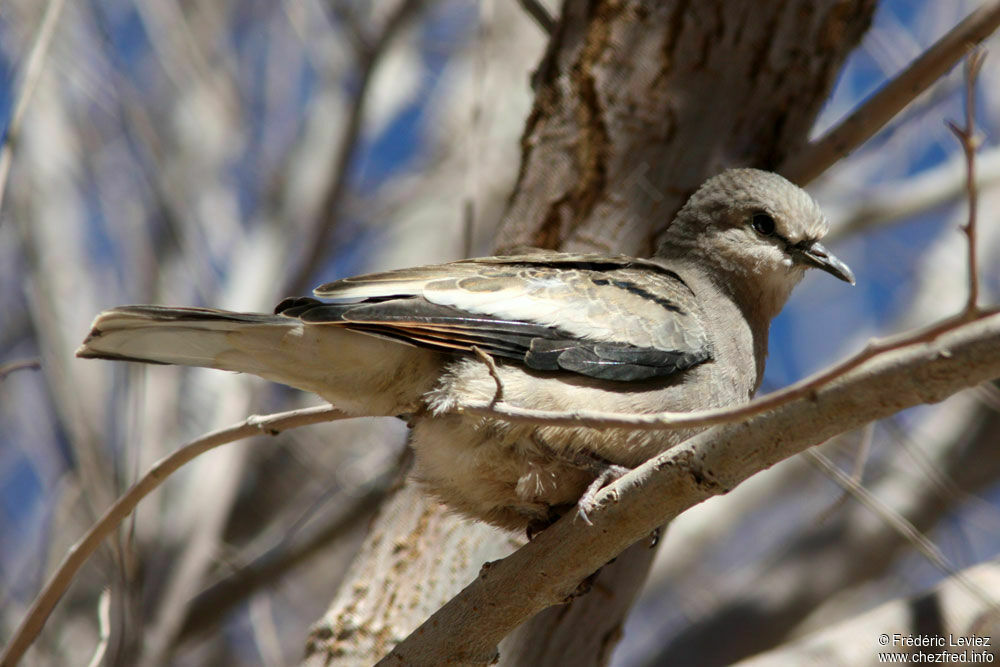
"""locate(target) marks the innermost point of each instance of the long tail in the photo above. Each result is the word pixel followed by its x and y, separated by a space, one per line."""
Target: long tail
pixel 358 373
pixel 183 336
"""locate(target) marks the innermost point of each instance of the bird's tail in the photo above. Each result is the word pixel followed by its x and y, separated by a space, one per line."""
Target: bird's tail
pixel 358 373
pixel 183 336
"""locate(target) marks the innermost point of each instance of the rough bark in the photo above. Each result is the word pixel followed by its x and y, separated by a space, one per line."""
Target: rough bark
pixel 636 103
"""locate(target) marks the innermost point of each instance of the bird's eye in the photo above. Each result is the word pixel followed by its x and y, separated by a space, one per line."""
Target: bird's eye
pixel 762 223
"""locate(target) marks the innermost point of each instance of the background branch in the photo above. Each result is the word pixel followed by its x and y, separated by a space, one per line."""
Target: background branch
pixel 812 160
pixel 123 506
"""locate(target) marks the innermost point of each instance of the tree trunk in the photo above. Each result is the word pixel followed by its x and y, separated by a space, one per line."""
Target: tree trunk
pixel 637 102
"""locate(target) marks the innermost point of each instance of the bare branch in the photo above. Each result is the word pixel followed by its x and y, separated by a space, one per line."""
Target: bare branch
pixel 123 506
pixel 852 549
pixel 889 100
pixel 19 365
pixel 967 138
pixel 537 11
pixel 548 568
pixel 32 74
pixel 677 420
pixel 318 235
pixel 491 366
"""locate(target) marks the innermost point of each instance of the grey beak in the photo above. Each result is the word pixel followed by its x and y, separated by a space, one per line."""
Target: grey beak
pixel 815 254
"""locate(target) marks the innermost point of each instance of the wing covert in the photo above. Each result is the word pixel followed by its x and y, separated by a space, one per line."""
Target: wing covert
pixel 610 318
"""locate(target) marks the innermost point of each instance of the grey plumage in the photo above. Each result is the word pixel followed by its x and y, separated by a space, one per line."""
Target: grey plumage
pixel 684 330
pixel 510 307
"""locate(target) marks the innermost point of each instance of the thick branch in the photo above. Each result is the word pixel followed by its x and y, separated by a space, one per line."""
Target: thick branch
pixel 510 591
pixel 889 100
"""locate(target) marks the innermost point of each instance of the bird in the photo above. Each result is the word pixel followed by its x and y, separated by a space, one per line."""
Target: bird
pixel 683 330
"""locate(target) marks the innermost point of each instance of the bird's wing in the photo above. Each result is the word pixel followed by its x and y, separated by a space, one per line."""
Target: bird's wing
pixel 609 318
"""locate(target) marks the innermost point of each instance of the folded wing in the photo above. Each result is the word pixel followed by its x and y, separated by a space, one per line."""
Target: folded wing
pixel 608 318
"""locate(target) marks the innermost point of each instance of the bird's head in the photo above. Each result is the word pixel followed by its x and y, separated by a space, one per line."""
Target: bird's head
pixel 756 227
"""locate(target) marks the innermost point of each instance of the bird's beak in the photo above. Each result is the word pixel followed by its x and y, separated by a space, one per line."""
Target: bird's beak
pixel 815 254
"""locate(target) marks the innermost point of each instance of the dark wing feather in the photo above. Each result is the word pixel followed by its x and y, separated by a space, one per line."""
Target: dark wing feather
pixel 610 318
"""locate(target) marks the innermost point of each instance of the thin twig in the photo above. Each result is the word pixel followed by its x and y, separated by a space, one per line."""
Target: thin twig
pixel 700 418
pixel 19 365
pixel 214 602
pixel 897 522
pixel 967 138
pixel 369 54
pixel 32 75
pixel 491 366
pixel 889 100
pixel 857 474
pixel 78 554
pixel 104 628
pixel 537 11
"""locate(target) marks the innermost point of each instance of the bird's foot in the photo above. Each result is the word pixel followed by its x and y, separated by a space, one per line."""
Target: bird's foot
pixel 608 473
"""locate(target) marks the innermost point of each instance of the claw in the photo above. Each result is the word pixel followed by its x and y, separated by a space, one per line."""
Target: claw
pixel 587 503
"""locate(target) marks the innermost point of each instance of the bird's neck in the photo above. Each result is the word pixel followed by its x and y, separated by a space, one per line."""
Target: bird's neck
pixel 760 294
pixel 756 297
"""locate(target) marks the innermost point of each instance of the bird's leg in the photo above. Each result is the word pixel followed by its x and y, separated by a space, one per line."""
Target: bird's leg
pixel 603 470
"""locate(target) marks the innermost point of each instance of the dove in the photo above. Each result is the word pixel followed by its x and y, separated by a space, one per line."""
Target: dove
pixel 684 330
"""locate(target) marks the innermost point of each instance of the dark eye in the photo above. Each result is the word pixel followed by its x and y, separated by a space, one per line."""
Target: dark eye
pixel 762 223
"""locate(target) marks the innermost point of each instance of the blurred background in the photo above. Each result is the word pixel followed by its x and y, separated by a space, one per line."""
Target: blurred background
pixel 229 154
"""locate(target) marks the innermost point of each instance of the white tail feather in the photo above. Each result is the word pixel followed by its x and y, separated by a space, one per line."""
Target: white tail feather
pixel 358 373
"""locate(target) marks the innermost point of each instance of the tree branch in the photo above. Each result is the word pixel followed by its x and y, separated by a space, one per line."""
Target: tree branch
pixel 700 418
pixel 547 569
pixel 369 53
pixel 123 506
pixel 19 365
pixel 32 73
pixel 537 11
pixel 967 138
pixel 880 108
